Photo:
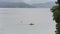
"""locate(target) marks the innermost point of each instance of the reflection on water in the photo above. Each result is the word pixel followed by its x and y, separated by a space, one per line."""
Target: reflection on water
pixel 19 21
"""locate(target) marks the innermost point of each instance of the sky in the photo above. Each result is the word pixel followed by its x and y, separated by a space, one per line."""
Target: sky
pixel 28 1
pixel 37 1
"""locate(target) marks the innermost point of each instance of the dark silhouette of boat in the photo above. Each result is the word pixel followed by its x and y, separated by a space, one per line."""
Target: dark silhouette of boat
pixel 31 24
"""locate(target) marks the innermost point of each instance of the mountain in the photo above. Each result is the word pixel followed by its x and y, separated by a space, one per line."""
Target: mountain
pixel 44 5
pixel 15 5
pixel 25 5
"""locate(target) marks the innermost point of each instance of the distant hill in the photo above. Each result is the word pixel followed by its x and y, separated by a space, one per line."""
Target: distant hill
pixel 15 5
pixel 24 5
pixel 44 5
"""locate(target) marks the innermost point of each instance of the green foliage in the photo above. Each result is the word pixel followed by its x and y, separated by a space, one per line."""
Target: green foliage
pixel 56 16
pixel 54 8
pixel 56 13
pixel 58 1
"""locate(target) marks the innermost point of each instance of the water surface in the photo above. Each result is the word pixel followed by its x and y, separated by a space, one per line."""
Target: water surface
pixel 17 20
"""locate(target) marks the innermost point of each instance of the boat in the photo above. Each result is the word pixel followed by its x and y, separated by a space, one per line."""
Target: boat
pixel 31 24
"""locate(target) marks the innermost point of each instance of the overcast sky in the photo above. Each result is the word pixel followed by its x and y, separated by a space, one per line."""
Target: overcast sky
pixel 28 1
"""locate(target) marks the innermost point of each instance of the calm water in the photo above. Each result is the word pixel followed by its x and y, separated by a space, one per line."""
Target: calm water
pixel 17 20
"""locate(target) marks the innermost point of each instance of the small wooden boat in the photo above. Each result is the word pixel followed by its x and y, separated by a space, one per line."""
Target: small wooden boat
pixel 31 24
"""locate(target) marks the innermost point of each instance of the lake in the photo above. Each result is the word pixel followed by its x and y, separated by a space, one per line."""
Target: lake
pixel 17 20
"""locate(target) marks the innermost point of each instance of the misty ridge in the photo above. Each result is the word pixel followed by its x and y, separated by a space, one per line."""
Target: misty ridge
pixel 25 5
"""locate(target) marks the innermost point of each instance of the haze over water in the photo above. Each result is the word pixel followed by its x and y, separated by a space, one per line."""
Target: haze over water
pixel 17 20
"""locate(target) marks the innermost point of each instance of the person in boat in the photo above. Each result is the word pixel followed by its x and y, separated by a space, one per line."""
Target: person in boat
pixel 31 24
